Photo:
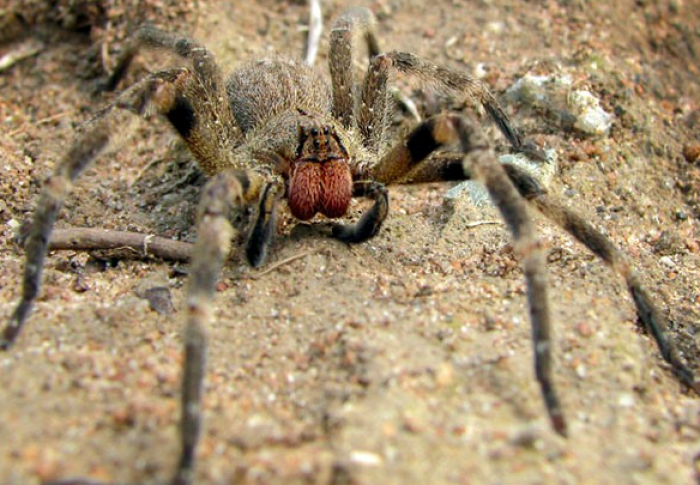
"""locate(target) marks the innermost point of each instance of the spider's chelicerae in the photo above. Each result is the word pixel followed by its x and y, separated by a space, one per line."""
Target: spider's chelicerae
pixel 276 130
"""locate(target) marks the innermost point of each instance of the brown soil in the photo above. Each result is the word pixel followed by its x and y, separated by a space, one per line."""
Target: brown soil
pixel 406 360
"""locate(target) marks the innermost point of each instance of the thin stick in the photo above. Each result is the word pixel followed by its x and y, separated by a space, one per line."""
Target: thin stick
pixel 315 29
pixel 43 121
pixel 143 244
pixel 279 264
pixel 406 103
pixel 482 223
pixel 75 481
pixel 28 49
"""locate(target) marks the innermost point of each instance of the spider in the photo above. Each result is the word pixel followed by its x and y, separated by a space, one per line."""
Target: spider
pixel 274 131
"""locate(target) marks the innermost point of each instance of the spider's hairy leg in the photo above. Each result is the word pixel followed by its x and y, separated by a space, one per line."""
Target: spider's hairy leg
pixel 96 137
pixel 153 38
pixel 224 192
pixel 214 234
pixel 352 24
pixel 407 162
pixel 195 103
pixel 460 83
pixel 481 162
pixel 649 313
pixel 375 104
pixel 370 222
pixel 168 93
pixel 53 194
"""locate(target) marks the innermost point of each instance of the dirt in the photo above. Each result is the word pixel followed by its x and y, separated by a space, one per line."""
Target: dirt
pixel 407 359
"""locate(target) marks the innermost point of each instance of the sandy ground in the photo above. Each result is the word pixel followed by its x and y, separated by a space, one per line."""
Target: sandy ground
pixel 405 360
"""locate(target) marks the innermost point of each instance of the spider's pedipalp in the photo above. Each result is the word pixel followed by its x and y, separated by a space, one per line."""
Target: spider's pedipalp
pixel 370 222
pixel 263 229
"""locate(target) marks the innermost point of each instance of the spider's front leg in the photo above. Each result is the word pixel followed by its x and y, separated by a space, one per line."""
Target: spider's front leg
pixel 650 314
pixel 223 193
pixel 510 187
pixel 214 234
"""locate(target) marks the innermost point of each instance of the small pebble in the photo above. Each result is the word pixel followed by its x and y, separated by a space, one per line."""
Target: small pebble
pixel 584 329
pixel 691 152
pixel 365 458
pixel 626 400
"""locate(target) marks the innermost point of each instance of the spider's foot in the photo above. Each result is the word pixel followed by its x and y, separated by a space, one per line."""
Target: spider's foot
pixel 559 425
pixel 14 327
pixel 531 151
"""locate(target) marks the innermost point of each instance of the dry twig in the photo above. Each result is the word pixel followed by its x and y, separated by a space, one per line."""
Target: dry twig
pixel 23 51
pixel 145 245
pixel 315 29
pixel 279 264
pixel 483 223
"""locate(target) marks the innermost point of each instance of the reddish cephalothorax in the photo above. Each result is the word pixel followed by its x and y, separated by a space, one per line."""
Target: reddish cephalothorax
pixel 320 179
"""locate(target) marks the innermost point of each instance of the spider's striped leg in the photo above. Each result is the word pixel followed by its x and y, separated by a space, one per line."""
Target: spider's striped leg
pixel 53 194
pixel 481 162
pixel 152 38
pixel 214 233
pixel 373 116
pixel 196 104
pixel 462 84
pixel 98 134
pixel 406 158
pixel 653 318
pixel 408 162
pixel 353 24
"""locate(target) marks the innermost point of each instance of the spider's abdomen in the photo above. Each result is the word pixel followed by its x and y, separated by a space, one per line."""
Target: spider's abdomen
pixel 264 89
